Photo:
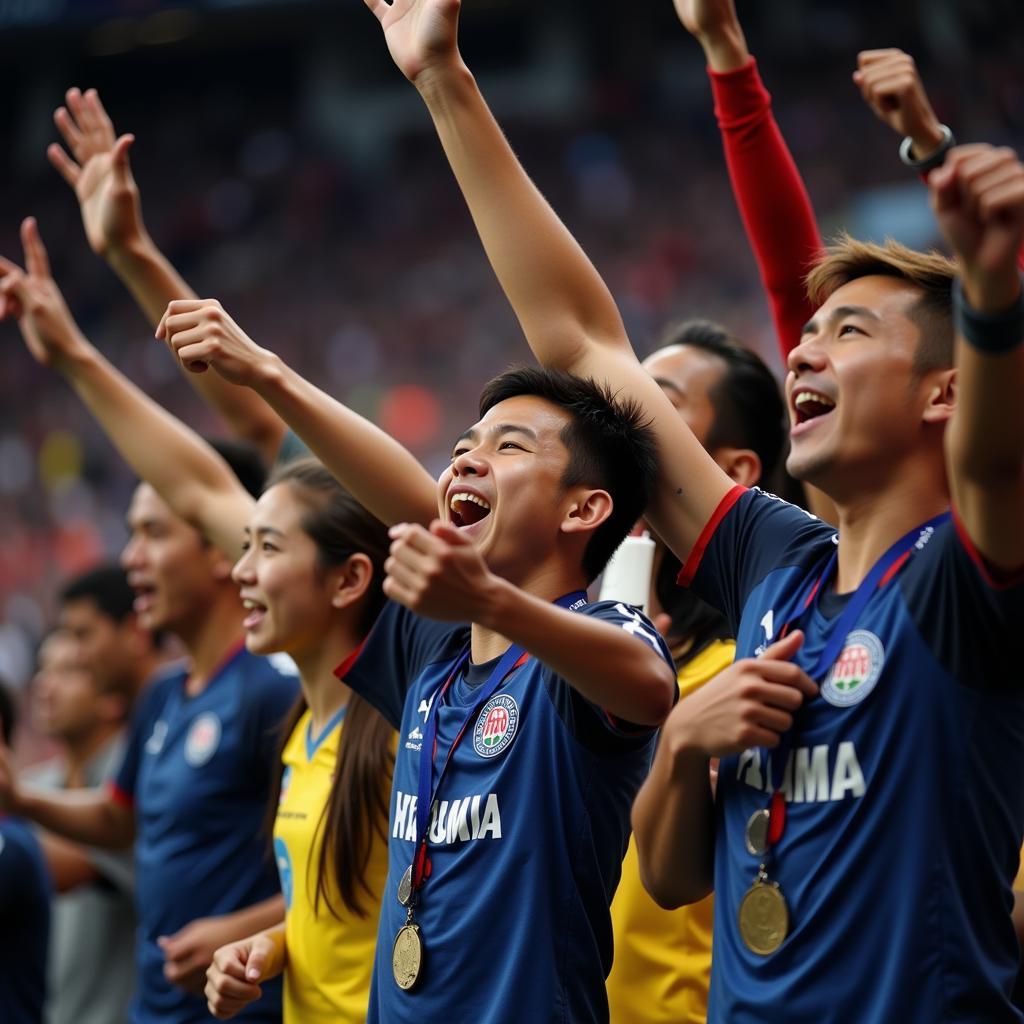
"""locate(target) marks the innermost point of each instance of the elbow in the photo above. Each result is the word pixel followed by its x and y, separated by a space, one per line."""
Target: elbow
pixel 660 690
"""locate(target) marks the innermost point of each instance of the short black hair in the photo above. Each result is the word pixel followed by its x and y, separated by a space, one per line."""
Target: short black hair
pixel 106 586
pixel 749 411
pixel 610 443
pixel 8 712
pixel 245 463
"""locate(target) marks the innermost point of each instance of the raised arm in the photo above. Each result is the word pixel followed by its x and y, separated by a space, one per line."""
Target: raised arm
pixel 891 86
pixel 101 177
pixel 190 476
pixel 978 197
pixel 566 311
pixel 769 192
pixel 385 478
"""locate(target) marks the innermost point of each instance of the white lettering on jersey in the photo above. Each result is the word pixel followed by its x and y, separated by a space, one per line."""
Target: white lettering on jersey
pixel 768 625
pixel 636 625
pixel 807 778
pixel 424 708
pixel 455 821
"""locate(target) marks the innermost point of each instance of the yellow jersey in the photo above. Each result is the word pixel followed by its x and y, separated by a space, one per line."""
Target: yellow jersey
pixel 662 966
pixel 330 959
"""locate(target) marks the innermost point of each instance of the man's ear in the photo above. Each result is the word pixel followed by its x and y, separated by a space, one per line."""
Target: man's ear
pixel 587 511
pixel 743 465
pixel 941 398
pixel 352 579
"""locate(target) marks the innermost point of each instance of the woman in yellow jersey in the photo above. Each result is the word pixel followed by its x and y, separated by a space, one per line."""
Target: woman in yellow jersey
pixel 310 576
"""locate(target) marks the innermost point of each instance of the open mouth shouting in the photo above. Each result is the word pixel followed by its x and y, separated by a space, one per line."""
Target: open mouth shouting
pixel 809 406
pixel 467 508
pixel 145 595
pixel 255 613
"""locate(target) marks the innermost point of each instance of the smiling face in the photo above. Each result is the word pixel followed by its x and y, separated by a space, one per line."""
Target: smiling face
pixel 504 486
pixel 65 698
pixel 857 406
pixel 175 576
pixel 286 593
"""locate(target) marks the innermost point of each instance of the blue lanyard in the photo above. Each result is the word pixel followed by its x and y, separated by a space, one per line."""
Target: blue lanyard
pixel 427 790
pixel 881 573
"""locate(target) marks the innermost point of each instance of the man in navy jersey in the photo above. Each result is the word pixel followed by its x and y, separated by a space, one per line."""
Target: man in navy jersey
pixel 25 893
pixel 862 871
pixel 192 788
pixel 516 765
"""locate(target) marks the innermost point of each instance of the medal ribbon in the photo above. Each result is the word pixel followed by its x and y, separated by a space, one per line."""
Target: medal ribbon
pixel 884 570
pixel 427 789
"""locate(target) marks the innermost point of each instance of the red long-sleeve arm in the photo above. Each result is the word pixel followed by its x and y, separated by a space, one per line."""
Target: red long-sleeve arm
pixel 770 194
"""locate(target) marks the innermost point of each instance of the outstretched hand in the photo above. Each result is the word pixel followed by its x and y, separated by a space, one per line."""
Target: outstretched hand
pixel 421 34
pixel 99 172
pixel 978 199
pixel 201 334
pixel 32 297
pixel 891 86
pixel 438 572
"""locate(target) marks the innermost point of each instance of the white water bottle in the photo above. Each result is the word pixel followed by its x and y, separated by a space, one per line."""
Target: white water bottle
pixel 627 577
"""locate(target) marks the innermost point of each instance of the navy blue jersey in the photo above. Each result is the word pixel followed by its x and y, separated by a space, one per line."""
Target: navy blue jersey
pixel 25 893
pixel 904 783
pixel 197 772
pixel 526 843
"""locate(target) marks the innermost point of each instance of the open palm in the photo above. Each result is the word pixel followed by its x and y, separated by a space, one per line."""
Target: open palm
pixel 98 172
pixel 420 34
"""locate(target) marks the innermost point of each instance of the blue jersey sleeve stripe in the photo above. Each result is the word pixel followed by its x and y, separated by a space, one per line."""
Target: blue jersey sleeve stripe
pixel 996 578
pixel 692 561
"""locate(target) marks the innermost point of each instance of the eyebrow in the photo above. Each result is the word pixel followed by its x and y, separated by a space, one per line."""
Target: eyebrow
pixel 840 313
pixel 264 530
pixel 668 385
pixel 498 431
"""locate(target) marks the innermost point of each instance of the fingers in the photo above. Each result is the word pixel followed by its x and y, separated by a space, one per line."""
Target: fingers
pixel 65 166
pixel 986 180
pixel 72 136
pixel 448 533
pixel 36 261
pixel 257 962
pixel 120 158
pixel 379 8
pixel 99 119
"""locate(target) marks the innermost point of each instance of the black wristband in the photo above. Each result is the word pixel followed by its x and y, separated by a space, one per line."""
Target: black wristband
pixel 988 332
pixel 934 159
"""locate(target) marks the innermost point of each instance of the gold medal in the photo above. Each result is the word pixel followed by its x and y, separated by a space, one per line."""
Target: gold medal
pixel 405 887
pixel 757 833
pixel 763 916
pixel 407 956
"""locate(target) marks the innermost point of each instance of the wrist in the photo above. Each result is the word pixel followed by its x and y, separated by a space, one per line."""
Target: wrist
pixel 269 373
pixel 989 311
pixel 78 360
pixel 725 48
pixel 923 163
pixel 493 602
pixel 685 753
pixel 438 81
pixel 126 254
pixel 925 142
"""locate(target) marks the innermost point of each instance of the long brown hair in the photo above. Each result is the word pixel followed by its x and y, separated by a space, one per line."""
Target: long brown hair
pixel 357 806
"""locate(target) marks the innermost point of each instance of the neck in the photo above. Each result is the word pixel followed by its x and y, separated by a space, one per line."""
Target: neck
pixel 324 693
pixel 82 749
pixel 870 524
pixel 548 582
pixel 210 639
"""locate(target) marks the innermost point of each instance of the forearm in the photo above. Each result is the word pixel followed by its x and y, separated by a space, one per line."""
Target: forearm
pixel 556 293
pixel 87 816
pixel 673 820
pixel 68 864
pixel 985 440
pixel 770 194
pixel 190 476
pixel 268 915
pixel 385 478
pixel 621 673
pixel 154 282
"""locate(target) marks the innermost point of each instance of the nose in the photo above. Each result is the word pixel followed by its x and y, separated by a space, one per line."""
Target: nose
pixel 808 355
pixel 242 571
pixel 469 463
pixel 131 553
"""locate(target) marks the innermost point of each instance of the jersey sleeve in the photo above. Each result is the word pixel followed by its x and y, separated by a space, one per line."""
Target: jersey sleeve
pixel 591 725
pixel 770 194
pixel 971 617
pixel 750 534
pixel 398 648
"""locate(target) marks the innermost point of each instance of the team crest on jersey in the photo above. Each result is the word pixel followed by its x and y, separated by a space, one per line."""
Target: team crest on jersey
pixel 856 670
pixel 283 859
pixel 496 726
pixel 203 739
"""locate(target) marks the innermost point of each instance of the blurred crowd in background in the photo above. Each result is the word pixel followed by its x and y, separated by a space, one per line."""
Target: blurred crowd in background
pixel 292 175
